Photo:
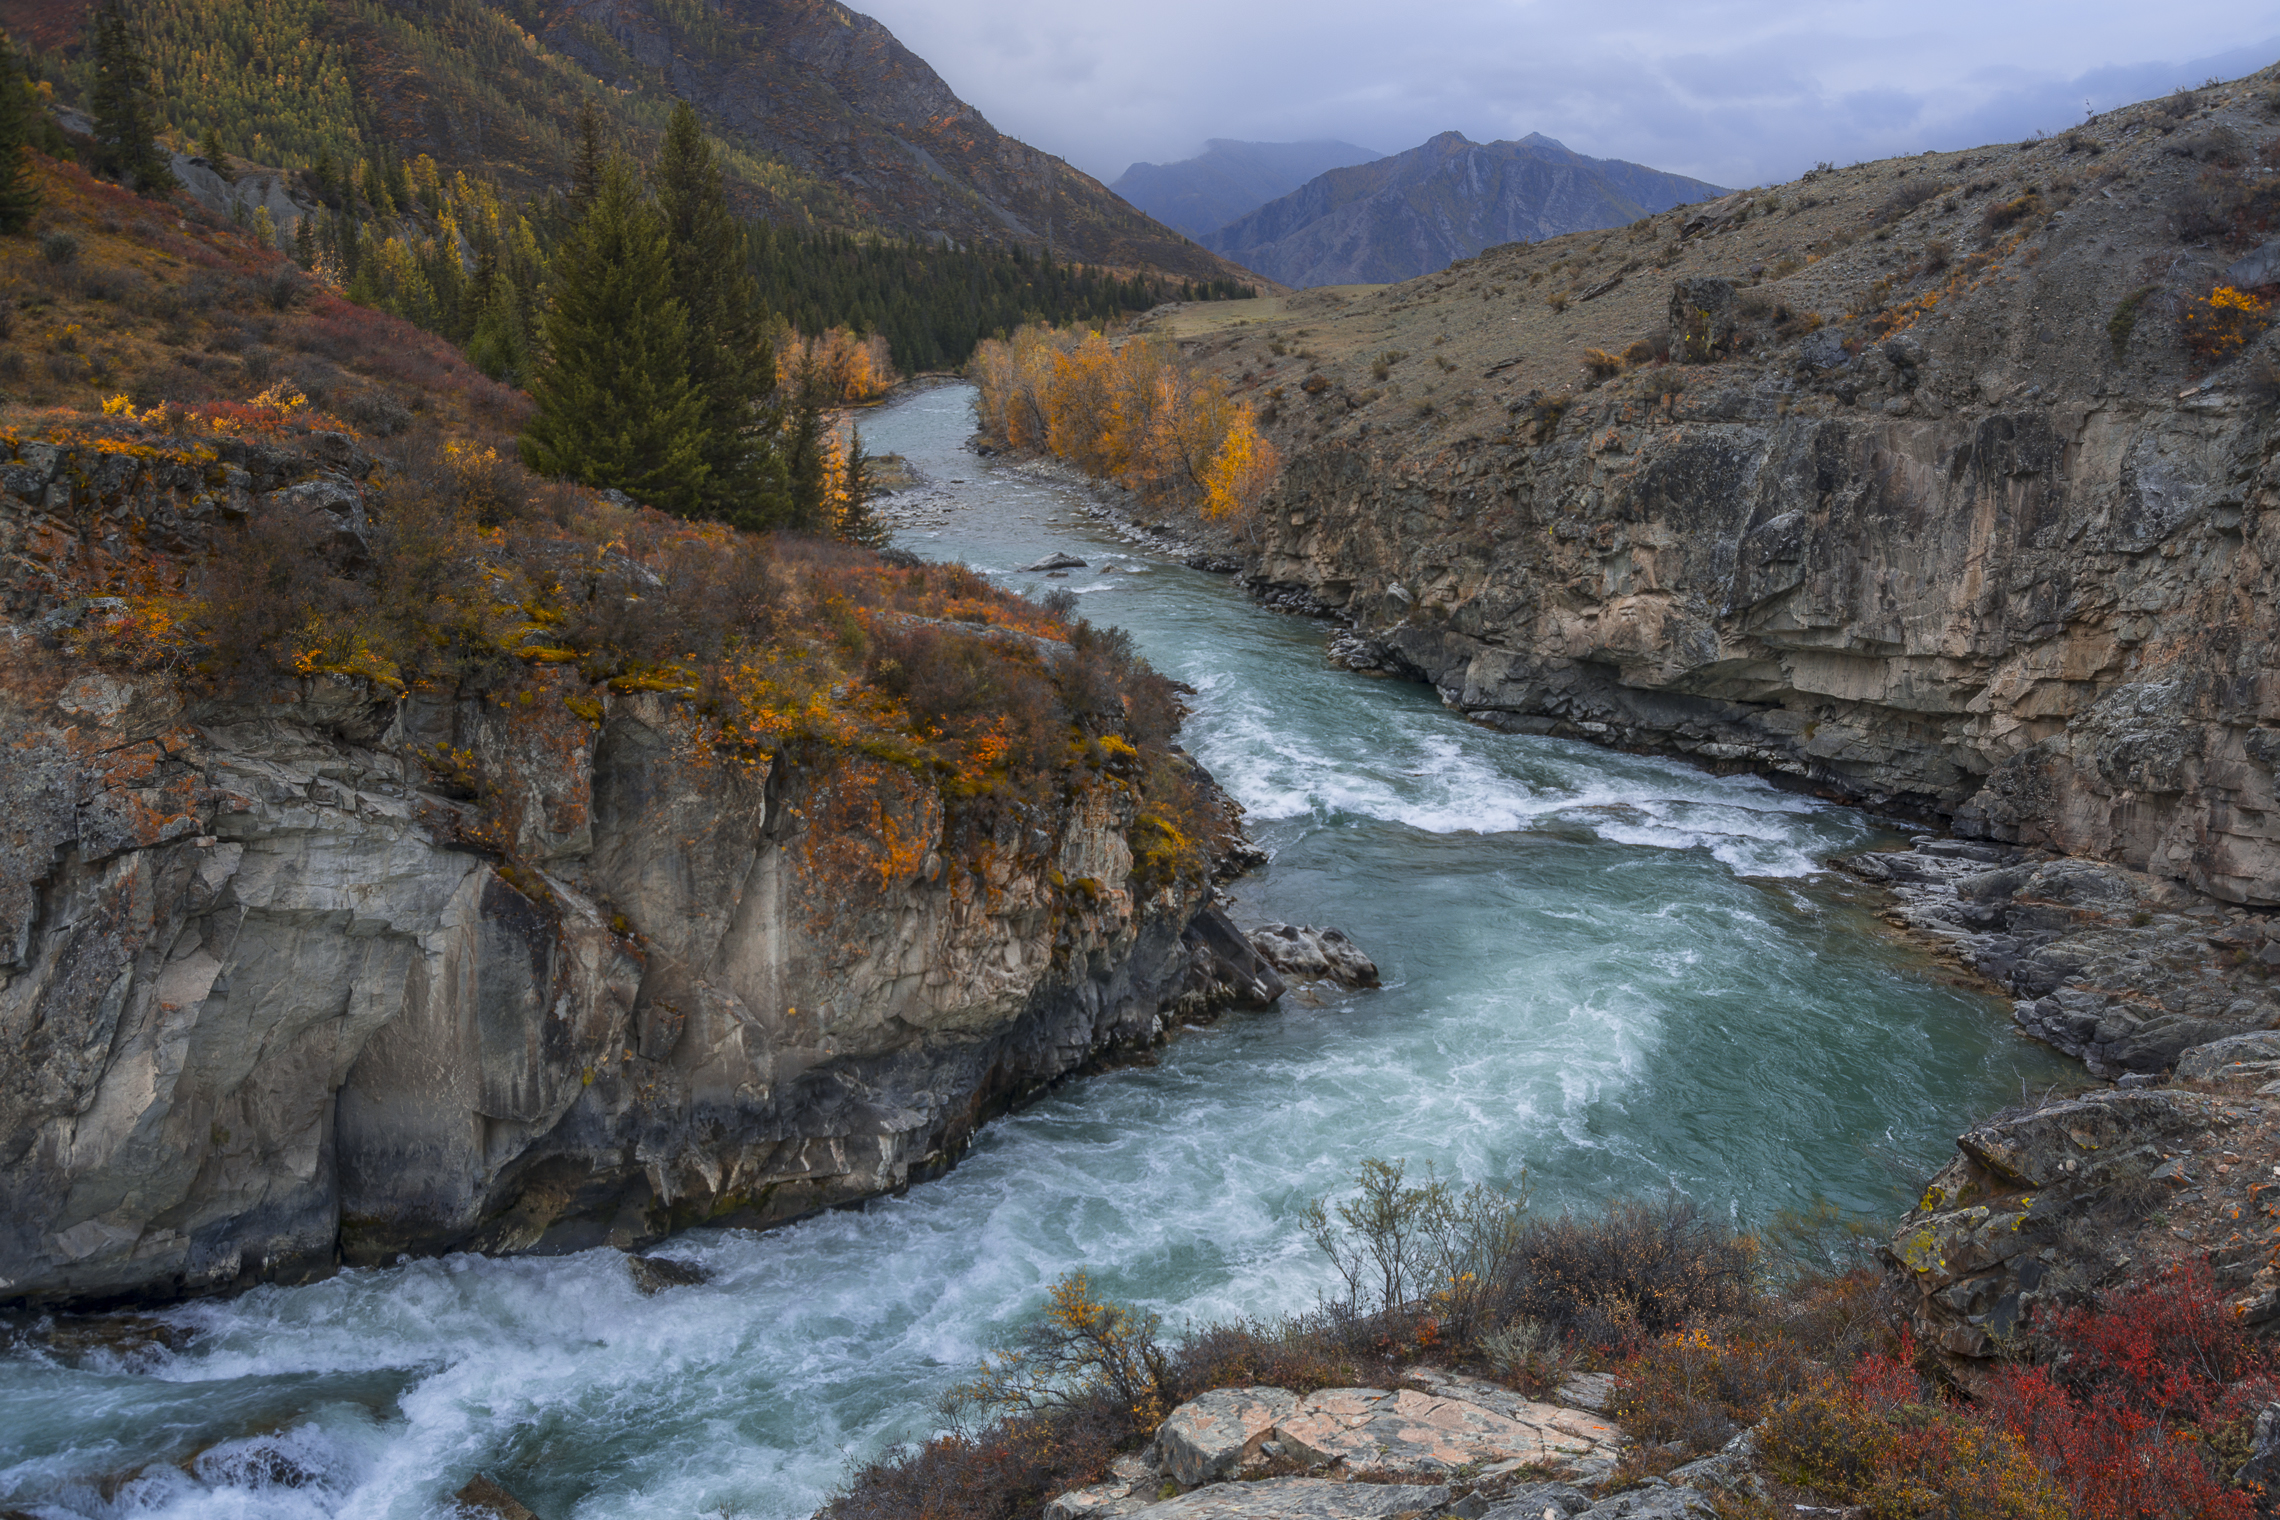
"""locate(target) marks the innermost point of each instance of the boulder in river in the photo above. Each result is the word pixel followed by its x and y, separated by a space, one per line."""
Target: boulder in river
pixel 654 1274
pixel 1057 561
pixel 1229 963
pixel 488 1501
pixel 1314 954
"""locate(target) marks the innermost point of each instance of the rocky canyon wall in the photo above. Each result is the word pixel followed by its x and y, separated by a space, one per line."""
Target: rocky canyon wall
pixel 309 973
pixel 1982 539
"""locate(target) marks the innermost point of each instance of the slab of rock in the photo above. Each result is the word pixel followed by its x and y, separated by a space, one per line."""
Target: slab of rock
pixel 1101 1501
pixel 1557 1500
pixel 1732 1467
pixel 1370 1431
pixel 1563 1426
pixel 1056 562
pixel 1301 1499
pixel 1210 1436
pixel 1588 1390
pixel 1311 954
pixel 1657 1501
pixel 2241 1055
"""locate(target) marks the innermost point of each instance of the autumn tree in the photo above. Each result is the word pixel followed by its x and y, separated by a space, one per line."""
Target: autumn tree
pixel 615 403
pixel 124 149
pixel 19 192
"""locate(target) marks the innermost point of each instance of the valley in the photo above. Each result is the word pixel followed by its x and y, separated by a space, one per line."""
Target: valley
pixel 1469 834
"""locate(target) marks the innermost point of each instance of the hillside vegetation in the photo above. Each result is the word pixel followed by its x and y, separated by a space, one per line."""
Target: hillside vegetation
pixel 814 108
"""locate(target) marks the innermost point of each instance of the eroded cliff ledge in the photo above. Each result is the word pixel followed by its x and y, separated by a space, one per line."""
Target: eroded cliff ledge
pixel 302 970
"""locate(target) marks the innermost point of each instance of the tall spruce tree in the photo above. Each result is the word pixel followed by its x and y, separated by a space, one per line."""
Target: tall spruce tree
pixel 124 150
pixel 616 406
pixel 730 360
pixel 586 159
pixel 19 192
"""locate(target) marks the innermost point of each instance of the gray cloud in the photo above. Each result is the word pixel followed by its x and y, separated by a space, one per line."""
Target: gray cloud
pixel 1731 92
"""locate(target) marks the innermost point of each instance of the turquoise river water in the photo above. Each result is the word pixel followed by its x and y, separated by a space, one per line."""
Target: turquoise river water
pixel 1618 973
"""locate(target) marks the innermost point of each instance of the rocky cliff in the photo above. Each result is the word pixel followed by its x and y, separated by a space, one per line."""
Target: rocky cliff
pixel 1924 484
pixel 305 970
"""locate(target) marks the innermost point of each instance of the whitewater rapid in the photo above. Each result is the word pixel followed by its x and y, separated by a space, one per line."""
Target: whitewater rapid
pixel 1604 973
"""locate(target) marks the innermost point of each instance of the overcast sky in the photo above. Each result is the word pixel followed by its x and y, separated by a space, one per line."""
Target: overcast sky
pixel 1738 94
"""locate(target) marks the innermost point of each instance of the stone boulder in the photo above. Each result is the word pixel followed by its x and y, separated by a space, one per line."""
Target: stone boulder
pixel 1314 954
pixel 1538 1500
pixel 1370 1432
pixel 1223 959
pixel 1991 1237
pixel 2256 1054
pixel 1301 1499
pixel 1209 1437
pixel 2260 267
pixel 1056 561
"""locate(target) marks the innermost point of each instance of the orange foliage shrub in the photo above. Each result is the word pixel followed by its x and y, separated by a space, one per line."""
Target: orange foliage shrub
pixel 2223 322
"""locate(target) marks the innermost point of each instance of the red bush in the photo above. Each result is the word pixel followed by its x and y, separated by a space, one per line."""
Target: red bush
pixel 2144 1411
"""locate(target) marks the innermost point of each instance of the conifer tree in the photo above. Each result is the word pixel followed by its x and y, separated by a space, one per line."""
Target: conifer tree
pixel 305 242
pixel 586 160
pixel 124 150
pixel 730 361
pixel 857 522
pixel 615 403
pixel 805 504
pixel 19 193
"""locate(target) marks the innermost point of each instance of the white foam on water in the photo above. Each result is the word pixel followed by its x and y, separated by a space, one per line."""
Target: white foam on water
pixel 1578 985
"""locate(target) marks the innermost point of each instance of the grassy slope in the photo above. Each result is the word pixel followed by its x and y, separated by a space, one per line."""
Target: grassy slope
pixel 1823 252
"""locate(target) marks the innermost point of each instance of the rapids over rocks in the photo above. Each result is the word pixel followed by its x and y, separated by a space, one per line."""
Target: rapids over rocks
pixel 1614 973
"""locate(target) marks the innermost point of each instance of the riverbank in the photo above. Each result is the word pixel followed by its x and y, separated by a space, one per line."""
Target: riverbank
pixel 1584 956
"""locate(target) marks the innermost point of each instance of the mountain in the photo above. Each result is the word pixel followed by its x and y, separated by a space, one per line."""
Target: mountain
pixel 823 117
pixel 1422 210
pixel 1202 194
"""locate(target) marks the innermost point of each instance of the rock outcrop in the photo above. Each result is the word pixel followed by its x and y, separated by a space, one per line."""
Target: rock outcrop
pixel 2126 971
pixel 1359 1452
pixel 2067 1199
pixel 1980 539
pixel 307 972
pixel 1314 954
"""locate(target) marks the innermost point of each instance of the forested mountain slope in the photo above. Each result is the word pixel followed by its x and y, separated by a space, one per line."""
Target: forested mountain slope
pixel 825 119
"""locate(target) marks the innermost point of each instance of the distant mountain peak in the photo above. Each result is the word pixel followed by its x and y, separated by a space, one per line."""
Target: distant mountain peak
pixel 1444 200
pixel 1200 194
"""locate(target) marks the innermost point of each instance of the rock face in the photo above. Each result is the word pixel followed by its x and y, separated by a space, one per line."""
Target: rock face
pixel 2075 1197
pixel 2002 557
pixel 2125 970
pixel 305 975
pixel 1210 1436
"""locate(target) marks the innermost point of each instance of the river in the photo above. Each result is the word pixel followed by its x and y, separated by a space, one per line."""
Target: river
pixel 1610 974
